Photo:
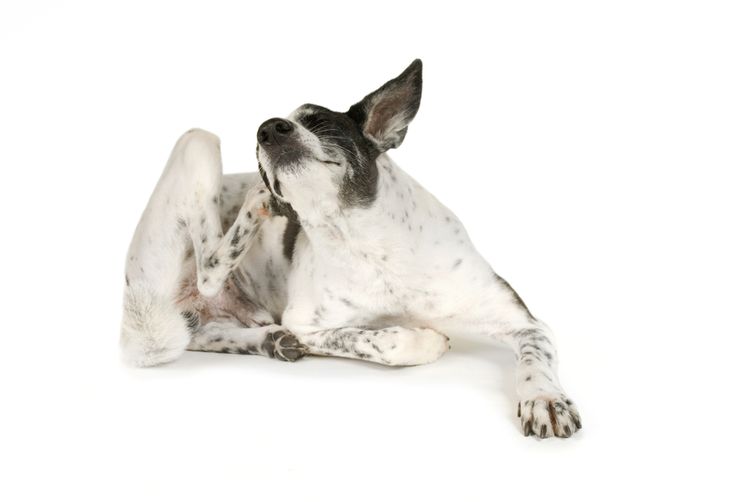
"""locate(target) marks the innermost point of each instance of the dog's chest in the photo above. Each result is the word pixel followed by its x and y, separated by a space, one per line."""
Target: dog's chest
pixel 351 285
pixel 375 282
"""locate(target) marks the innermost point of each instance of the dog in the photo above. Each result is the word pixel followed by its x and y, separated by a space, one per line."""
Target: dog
pixel 329 250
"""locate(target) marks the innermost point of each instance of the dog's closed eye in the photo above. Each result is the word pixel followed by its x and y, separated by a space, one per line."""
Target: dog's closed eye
pixel 323 161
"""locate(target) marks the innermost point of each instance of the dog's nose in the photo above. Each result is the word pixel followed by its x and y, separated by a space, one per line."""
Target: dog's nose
pixel 274 131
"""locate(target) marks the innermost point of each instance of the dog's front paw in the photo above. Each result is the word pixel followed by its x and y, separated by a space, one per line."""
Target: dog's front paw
pixel 410 346
pixel 283 345
pixel 547 416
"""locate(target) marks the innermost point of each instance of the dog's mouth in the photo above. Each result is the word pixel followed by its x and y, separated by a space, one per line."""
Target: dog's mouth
pixel 270 180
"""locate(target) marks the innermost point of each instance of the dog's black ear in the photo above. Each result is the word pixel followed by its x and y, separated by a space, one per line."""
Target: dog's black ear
pixel 384 115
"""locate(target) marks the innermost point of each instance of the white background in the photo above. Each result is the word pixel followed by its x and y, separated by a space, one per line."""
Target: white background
pixel 596 151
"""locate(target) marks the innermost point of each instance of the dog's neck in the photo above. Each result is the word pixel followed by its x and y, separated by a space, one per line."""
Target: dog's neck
pixel 329 226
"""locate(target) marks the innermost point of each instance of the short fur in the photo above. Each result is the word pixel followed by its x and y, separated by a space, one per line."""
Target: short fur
pixel 331 250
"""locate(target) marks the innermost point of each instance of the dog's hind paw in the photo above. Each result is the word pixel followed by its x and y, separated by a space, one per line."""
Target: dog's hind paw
pixel 547 416
pixel 284 346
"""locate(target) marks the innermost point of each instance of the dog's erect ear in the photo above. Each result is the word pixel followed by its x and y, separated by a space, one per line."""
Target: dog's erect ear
pixel 385 114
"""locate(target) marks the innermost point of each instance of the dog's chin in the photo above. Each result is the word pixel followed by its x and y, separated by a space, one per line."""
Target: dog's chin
pixel 284 159
pixel 271 172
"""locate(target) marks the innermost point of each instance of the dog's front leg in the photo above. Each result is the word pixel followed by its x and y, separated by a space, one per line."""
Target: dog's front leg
pixel 544 409
pixel 394 346
pixel 230 338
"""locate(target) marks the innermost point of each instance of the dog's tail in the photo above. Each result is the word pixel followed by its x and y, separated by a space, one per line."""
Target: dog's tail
pixel 153 330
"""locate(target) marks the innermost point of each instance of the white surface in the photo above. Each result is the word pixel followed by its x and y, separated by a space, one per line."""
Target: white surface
pixel 598 155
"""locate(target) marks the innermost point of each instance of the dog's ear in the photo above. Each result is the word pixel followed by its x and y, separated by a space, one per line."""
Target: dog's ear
pixel 384 115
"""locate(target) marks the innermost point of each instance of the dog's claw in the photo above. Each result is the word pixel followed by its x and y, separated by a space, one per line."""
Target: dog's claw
pixel 577 421
pixel 549 416
pixel 527 428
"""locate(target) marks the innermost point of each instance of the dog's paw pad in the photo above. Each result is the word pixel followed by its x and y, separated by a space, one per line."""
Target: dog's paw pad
pixel 263 210
pixel 549 416
pixel 258 203
pixel 284 346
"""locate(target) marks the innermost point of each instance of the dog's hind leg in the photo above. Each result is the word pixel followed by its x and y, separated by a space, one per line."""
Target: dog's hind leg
pixel 182 218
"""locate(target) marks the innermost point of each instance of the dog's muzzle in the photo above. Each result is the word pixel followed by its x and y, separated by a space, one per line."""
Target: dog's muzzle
pixel 279 141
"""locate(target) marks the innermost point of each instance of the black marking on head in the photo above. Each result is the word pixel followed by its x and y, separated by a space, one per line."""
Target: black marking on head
pixel 341 137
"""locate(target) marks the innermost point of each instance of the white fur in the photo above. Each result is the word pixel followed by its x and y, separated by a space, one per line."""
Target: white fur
pixel 153 331
pixel 385 281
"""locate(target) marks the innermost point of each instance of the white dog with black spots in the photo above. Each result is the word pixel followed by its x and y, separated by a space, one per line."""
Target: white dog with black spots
pixel 330 250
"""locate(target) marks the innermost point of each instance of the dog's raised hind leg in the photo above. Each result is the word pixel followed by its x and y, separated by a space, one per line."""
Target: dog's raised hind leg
pixel 182 218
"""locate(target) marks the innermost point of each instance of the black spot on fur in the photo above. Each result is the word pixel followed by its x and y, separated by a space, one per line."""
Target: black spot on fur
pixel 236 236
pixel 291 232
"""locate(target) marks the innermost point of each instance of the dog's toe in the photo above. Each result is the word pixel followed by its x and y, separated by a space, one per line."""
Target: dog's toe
pixel 284 346
pixel 549 416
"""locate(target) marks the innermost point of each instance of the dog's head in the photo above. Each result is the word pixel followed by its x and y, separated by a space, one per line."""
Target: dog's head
pixel 326 158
